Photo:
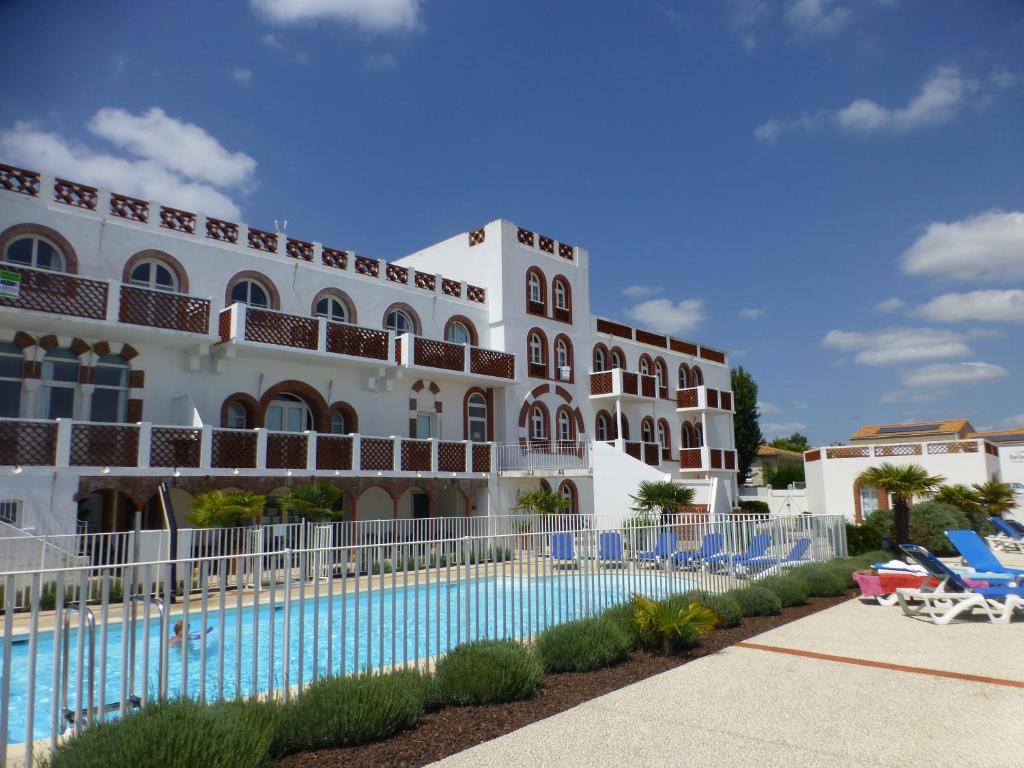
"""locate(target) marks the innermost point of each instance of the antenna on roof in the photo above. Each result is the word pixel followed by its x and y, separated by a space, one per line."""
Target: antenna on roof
pixel 280 226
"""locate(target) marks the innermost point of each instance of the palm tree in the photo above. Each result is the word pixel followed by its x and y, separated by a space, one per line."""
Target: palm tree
pixel 903 483
pixel 995 499
pixel 316 501
pixel 542 502
pixel 217 509
pixel 662 496
pixel 968 501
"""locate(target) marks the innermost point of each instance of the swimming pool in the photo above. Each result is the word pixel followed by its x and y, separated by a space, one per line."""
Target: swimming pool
pixel 280 645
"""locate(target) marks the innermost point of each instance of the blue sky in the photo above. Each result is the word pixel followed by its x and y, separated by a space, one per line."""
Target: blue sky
pixel 832 190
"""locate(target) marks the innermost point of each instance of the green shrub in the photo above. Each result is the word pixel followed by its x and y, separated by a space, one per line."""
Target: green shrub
pixel 340 711
pixel 843 569
pixel 755 507
pixel 756 601
pixel 671 625
pixel 821 580
pixel 724 607
pixel 581 646
pixel 622 616
pixel 175 734
pixel 929 522
pixel 487 672
pixel 791 589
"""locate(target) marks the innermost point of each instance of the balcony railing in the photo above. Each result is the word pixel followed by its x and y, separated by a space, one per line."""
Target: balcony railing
pixel 42 290
pixel 705 458
pixel 703 398
pixel 542 456
pixel 413 350
pixel 648 453
pixel 315 334
pixel 891 450
pixel 67 443
pixel 617 383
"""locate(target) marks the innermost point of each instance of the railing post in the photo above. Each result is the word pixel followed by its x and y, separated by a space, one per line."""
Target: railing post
pixel 321 334
pixel 113 300
pixel 493 450
pixel 237 320
pixel 433 454
pixel 311 450
pixel 396 453
pixel 63 447
pixel 467 355
pixel 201 219
pixel 469 455
pixel 261 448
pixel 145 443
pixel 357 449
pixel 206 446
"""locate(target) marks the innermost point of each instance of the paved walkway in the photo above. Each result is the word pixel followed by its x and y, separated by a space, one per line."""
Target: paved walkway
pixel 856 685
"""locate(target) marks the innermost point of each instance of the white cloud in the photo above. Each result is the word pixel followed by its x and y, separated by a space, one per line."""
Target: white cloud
pixel 746 17
pixel 1013 421
pixel 986 306
pixel 950 374
pixel 641 291
pixel 938 101
pixel 175 162
pixel 370 15
pixel 898 345
pixel 380 62
pixel 768 409
pixel 774 429
pixel 817 17
pixel 986 247
pixel 1003 78
pixel 664 315
pixel 771 130
pixel 887 307
pixel 751 313
pixel 242 75
pixel 271 41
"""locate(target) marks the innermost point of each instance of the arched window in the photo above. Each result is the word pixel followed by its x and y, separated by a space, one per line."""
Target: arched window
pixel 686 435
pixel 35 252
pixel 398 320
pixel 332 308
pixel 237 418
pixel 660 374
pixel 538 423
pixel 563 357
pixel 645 365
pixel 537 354
pixel 684 376
pixel 568 492
pixel 154 275
pixel 602 427
pixel 110 398
pixel 618 359
pixel 698 436
pixel 565 434
pixel 697 375
pixel 11 365
pixel 59 385
pixel 458 333
pixel 600 359
pixel 561 297
pixel 536 296
pixel 476 417
pixel 647 430
pixel 251 293
pixel 338 425
pixel 663 435
pixel 288 413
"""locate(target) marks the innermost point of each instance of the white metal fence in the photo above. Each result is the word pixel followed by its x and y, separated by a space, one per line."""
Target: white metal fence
pixel 95 641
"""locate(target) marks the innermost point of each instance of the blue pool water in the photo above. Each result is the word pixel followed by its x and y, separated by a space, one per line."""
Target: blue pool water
pixel 339 634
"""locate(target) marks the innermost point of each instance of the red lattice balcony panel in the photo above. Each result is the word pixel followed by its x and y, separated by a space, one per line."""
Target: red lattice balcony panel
pixel 129 207
pixel 730 459
pixel 525 236
pixel 432 353
pixel 278 328
pixel 716 458
pixel 476 237
pixel 365 266
pixel 160 309
pixel 630 383
pixel 415 455
pixel 726 400
pixel 540 370
pixel 179 221
pixel 426 281
pixel 712 396
pixel 686 398
pixel 334 258
pixel 634 450
pixel 546 243
pixel 397 274
pixel 961 447
pixel 354 340
pixel 476 293
pixel 451 287
pixel 224 325
pixel 286 451
pixel 648 386
pixel 850 452
pixel 712 354
pixel 175 447
pixel 333 452
pixel 652 454
pixel 451 457
pixel 57 293
pixel 225 231
pixel 489 362
pixel 261 240
pixel 904 449
pixel 28 443
pixel 562 313
pixel 565 251
pixel 19 180
pixel 481 457
pixel 73 193
pixel 233 449
pixel 299 249
pixel 104 445
pixel 601 383
pixel 376 454
pixel 690 458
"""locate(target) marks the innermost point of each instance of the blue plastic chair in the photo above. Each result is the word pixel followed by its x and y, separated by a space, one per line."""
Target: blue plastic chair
pixel 980 558
pixel 711 545
pixel 609 547
pixel 1004 527
pixel 755 549
pixel 668 542
pixel 561 547
pixel 765 562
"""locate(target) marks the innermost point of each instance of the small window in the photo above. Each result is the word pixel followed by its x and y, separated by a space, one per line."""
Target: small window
pixel 10 512
pixel 458 333
pixel 11 362
pixel 567 493
pixel 564 426
pixel 399 322
pixel 332 309
pixel 599 360
pixel 338 423
pixel 35 252
pixel 110 398
pixel 645 367
pixel 683 377
pixel 562 353
pixel 617 361
pixel 561 297
pixel 602 428
pixel 476 416
pixel 535 290
pixel 288 413
pixel 698 436
pixel 662 436
pixel 538 425
pixel 60 384
pixel 236 416
pixel 659 376
pixel 536 349
pixel 251 293
pixel 153 275
pixel 646 432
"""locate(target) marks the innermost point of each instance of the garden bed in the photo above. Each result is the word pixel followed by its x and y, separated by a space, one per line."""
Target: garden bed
pixel 453 729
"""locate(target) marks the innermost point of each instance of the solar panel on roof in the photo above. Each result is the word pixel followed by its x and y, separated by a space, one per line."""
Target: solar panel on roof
pixel 908 428
pixel 1007 436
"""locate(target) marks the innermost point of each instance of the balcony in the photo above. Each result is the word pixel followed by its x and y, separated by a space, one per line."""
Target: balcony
pixel 528 458
pixel 458 359
pixel 74 299
pixel 648 453
pixel 244 328
pixel 627 385
pixel 704 399
pixel 66 443
pixel 704 459
pixel 975 447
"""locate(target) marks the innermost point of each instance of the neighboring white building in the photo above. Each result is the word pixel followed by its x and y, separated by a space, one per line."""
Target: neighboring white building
pixel 140 343
pixel 951 449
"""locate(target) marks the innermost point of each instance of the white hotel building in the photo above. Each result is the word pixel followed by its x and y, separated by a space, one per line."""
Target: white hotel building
pixel 140 343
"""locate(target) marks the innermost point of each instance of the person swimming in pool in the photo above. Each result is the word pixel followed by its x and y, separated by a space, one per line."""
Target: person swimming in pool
pixel 180 633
